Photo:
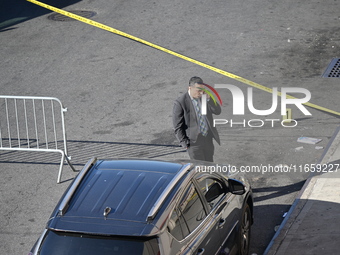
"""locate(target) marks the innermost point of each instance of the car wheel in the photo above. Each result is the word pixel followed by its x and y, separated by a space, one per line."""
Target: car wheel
pixel 244 233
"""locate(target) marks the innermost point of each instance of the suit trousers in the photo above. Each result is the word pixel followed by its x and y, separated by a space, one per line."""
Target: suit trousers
pixel 202 149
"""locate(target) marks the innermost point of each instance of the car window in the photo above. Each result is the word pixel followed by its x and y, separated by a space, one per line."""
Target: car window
pixel 177 226
pixel 61 243
pixel 206 185
pixel 192 208
pixel 188 214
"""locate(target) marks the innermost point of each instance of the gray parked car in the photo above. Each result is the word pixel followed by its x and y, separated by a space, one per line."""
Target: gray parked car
pixel 148 207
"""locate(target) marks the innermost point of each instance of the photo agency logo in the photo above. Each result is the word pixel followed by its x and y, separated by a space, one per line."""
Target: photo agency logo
pixel 209 91
pixel 239 105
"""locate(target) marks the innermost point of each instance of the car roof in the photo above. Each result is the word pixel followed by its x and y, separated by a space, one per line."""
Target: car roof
pixel 125 190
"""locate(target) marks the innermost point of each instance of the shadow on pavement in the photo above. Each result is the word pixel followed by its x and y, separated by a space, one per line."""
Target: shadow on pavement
pixel 311 236
pixel 264 225
pixel 13 12
pixel 268 217
pixel 82 151
pixel 277 191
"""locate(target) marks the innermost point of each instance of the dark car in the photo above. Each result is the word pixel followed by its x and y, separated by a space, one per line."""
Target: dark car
pixel 148 207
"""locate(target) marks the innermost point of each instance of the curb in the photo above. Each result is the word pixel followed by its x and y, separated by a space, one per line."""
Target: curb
pixel 301 199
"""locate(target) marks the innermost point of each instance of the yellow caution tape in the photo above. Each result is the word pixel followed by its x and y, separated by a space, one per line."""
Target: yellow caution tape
pixel 217 70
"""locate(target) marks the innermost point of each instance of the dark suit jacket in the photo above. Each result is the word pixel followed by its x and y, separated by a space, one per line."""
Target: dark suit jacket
pixel 185 122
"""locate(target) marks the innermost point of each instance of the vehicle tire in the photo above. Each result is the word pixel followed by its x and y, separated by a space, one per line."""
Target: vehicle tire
pixel 244 232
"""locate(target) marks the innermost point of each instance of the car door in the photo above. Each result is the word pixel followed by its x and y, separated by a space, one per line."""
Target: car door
pixel 192 227
pixel 222 208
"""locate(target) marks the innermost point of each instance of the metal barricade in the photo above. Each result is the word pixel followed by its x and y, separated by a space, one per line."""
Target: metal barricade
pixel 34 124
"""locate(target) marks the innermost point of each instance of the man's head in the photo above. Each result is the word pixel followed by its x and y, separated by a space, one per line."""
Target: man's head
pixel 195 87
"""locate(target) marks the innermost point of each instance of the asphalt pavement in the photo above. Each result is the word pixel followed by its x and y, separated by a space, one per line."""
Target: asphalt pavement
pixel 312 224
pixel 119 95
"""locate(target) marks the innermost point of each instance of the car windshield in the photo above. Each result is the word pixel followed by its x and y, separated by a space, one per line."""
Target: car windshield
pixel 61 243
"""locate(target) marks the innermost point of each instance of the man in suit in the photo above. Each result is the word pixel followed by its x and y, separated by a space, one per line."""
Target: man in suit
pixel 195 131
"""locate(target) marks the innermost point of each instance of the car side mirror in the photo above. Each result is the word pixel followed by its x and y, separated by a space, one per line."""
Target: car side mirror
pixel 214 192
pixel 236 187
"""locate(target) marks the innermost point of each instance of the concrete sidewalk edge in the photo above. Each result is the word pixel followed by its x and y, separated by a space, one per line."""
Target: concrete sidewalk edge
pixel 301 199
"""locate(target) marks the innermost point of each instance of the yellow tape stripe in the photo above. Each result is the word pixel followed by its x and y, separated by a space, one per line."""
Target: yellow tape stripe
pixel 217 70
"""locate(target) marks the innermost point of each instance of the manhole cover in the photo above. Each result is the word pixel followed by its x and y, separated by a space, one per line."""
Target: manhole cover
pixel 333 69
pixel 60 17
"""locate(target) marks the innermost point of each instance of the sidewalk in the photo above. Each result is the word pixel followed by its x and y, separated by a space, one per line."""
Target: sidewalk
pixel 312 225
